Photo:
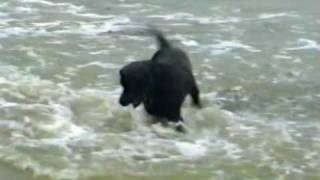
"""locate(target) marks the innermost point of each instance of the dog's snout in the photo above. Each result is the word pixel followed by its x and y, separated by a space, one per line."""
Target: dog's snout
pixel 123 102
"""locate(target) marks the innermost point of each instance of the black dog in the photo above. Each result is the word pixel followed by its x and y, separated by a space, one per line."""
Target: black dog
pixel 161 83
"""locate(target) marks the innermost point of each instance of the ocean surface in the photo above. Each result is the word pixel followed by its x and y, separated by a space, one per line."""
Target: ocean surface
pixel 257 64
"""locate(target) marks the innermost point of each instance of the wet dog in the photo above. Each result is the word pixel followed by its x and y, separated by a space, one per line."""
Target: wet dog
pixel 161 83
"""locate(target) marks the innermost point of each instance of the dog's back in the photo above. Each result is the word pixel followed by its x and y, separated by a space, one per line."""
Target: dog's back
pixel 168 54
pixel 172 80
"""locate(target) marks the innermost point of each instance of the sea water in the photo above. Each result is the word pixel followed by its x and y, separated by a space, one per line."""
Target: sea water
pixel 257 64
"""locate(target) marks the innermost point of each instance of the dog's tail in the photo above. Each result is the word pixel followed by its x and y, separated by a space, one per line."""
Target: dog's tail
pixel 162 41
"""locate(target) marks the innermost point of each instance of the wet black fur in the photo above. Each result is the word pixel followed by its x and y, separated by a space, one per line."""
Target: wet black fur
pixel 161 83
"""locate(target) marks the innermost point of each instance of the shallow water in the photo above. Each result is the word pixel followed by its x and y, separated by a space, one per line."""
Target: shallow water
pixel 257 64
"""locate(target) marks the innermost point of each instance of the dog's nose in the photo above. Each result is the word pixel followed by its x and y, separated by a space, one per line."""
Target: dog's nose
pixel 123 102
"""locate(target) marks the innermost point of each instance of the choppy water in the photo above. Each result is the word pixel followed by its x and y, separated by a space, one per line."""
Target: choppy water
pixel 257 64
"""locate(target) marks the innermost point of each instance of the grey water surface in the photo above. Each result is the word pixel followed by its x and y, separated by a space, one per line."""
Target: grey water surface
pixel 257 64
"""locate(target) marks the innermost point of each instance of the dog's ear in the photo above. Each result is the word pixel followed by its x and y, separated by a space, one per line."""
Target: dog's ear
pixel 121 74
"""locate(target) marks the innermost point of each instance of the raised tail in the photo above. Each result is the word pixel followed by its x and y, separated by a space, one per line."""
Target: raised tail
pixel 162 41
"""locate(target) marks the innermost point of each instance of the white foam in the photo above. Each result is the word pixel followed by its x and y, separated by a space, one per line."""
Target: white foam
pixel 3 14
pixel 24 10
pixel 135 5
pixel 47 24
pixel 11 124
pixel 100 52
pixel 71 8
pixel 279 56
pixel 220 20
pixel 94 29
pixel 186 41
pixel 50 3
pixel 226 46
pixel 100 64
pixel 190 43
pixel 209 76
pixel 200 19
pixel 232 150
pixel 94 16
pixel 272 15
pixel 13 31
pixel 175 16
pixel 284 131
pixel 5 4
pixel 305 44
pixel 191 150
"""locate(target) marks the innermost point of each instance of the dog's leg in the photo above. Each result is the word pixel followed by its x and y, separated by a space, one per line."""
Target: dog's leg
pixel 195 95
pixel 179 126
pixel 176 120
pixel 179 122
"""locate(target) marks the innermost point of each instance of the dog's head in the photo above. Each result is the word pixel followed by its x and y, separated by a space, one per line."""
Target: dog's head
pixel 135 79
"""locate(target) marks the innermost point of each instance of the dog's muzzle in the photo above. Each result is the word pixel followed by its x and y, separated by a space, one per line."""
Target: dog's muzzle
pixel 123 102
